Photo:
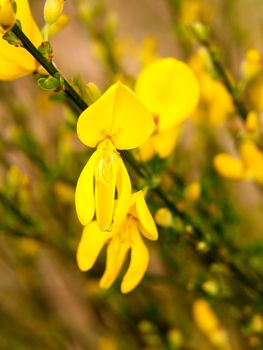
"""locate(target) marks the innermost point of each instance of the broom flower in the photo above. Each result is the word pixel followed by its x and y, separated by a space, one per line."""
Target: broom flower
pixel 126 238
pixel 16 62
pixel 116 121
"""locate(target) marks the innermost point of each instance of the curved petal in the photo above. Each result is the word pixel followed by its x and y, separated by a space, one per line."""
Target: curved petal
pixel 105 184
pixel 124 195
pixel 253 160
pixel 165 141
pixel 145 218
pixel 229 167
pixel 147 151
pixel 84 194
pixel 116 254
pixel 118 115
pixel 16 62
pixel 90 245
pixel 170 90
pixel 138 264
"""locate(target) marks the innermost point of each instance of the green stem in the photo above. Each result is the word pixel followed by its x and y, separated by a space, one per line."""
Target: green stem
pixel 49 66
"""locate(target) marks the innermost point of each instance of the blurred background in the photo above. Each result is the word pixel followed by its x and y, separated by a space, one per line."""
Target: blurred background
pixel 201 291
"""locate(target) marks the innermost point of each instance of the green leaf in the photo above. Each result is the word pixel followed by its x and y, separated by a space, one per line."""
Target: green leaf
pixel 48 84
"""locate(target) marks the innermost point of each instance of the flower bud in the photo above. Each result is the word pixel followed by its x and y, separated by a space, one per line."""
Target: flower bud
pixel 60 24
pixel 164 217
pixel 53 10
pixel 93 92
pixel 7 15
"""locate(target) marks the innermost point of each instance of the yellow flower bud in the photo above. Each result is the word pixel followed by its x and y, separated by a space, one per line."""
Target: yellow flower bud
pixel 251 64
pixel 163 217
pixel 93 92
pixel 256 324
pixel 7 15
pixel 52 10
pixel 193 191
pixel 175 338
pixel 210 287
pixel 252 122
pixel 59 25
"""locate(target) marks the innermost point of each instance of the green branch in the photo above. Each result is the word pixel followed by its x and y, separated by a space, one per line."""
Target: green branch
pixel 49 67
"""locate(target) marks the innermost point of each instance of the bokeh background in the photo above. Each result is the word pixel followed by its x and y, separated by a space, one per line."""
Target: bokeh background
pixel 200 292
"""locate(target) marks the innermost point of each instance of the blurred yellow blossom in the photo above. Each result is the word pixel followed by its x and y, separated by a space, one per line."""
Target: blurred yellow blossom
pixel 109 124
pixel 251 64
pixel 252 122
pixel 209 324
pixel 16 62
pixel 195 10
pixel 164 217
pixel 193 191
pixel 248 167
pixel 254 92
pixel 60 24
pixel 216 103
pixel 170 90
pixel 7 15
pixel 127 237
pixel 53 10
pixel 175 338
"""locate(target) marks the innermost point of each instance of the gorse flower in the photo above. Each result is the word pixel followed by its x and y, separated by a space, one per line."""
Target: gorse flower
pixel 169 88
pixel 16 62
pixel 127 237
pixel 248 167
pixel 117 120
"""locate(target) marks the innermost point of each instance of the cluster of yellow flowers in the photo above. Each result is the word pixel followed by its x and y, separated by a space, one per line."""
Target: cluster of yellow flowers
pixel 121 120
pixel 166 93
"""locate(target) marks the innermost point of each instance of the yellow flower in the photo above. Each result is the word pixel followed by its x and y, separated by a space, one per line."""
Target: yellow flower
pixel 7 15
pixel 248 167
pixel 127 237
pixel 117 120
pixel 53 10
pixel 252 64
pixel 16 62
pixel 170 90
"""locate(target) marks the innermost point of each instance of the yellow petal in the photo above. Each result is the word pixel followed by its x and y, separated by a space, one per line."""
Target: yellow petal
pixel 165 141
pixel 145 217
pixel 169 89
pixel 147 151
pixel 123 193
pixel 105 183
pixel 229 167
pixel 16 62
pixel 90 245
pixel 116 254
pixel 84 195
pixel 204 316
pixel 138 264
pixel 118 115
pixel 253 160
